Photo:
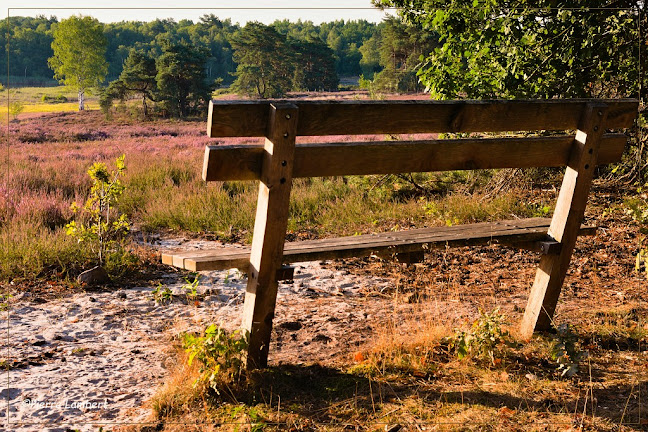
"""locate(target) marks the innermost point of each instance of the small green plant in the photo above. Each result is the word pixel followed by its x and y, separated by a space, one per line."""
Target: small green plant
pixel 638 209
pixel 485 339
pixel 4 302
pixel 221 355
pixel 566 351
pixel 15 108
pixel 190 287
pixel 162 294
pixel 105 229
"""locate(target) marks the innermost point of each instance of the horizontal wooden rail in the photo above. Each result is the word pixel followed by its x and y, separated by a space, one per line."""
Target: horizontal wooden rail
pixel 243 162
pixel 250 118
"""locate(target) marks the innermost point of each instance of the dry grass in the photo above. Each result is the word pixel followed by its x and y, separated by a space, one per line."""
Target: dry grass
pixel 408 375
pixel 179 390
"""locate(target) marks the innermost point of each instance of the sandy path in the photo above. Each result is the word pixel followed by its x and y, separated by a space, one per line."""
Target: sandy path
pixel 94 358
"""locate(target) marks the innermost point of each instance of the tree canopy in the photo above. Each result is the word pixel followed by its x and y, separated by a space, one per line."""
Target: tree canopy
pixel 182 82
pixel 265 63
pixel 393 54
pixel 270 64
pixel 518 48
pixel 28 43
pixel 138 77
pixel 79 48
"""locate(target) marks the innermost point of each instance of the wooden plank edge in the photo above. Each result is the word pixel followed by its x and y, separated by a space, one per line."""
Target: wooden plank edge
pixel 207 263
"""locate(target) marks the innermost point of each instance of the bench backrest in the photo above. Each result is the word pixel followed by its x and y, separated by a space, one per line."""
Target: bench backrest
pixel 318 118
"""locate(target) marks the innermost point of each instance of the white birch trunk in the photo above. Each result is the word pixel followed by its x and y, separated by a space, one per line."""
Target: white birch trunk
pixel 81 99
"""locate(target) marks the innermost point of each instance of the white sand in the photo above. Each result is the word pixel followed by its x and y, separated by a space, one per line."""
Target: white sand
pixel 94 358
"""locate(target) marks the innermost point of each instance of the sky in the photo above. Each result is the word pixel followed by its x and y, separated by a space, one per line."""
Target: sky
pixel 239 11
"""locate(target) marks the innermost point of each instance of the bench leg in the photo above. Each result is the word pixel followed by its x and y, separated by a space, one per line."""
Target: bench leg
pixel 269 232
pixel 566 222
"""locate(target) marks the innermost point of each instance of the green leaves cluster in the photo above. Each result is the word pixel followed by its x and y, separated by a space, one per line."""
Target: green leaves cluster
pixel 517 49
pixel 221 355
pixel 104 227
pixel 79 59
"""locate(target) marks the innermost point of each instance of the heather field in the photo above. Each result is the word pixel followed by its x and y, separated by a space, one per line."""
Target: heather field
pixel 48 157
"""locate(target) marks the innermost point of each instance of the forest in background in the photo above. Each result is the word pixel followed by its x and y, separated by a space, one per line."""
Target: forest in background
pixel 355 47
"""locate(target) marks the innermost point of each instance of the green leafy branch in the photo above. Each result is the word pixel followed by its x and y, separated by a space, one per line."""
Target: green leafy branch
pixel 484 340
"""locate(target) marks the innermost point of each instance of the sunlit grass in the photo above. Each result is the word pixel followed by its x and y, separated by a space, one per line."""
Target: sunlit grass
pixel 58 107
pixel 33 99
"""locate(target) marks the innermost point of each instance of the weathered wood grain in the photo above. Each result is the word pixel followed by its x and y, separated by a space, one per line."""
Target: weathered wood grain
pixel 517 232
pixel 566 221
pixel 269 231
pixel 243 162
pixel 250 118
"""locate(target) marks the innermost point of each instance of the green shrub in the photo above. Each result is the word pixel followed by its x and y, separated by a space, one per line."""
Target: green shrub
pixel 221 355
pixel 54 99
pixel 485 340
pixel 15 108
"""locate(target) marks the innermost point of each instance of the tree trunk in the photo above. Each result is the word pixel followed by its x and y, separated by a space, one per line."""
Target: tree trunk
pixel 81 99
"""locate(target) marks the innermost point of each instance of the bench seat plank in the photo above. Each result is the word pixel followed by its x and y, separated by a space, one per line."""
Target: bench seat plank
pixel 387 243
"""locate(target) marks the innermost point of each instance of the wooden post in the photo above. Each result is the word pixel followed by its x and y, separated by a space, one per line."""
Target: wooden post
pixel 269 231
pixel 566 221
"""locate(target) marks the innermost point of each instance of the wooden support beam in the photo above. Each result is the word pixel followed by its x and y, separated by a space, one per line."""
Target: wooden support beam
pixel 269 231
pixel 286 273
pixel 566 221
pixel 243 162
pixel 249 118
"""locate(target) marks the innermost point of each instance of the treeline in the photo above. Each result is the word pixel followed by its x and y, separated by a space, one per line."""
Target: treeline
pixel 28 44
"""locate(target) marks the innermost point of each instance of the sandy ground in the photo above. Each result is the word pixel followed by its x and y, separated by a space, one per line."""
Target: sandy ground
pixel 94 358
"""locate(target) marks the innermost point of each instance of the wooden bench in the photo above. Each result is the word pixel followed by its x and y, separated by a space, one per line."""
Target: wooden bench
pixel 280 160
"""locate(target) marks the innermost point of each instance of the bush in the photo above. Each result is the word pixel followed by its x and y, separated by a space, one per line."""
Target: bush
pixel 15 108
pixel 54 99
pixel 222 358
pixel 485 340
pixel 106 228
